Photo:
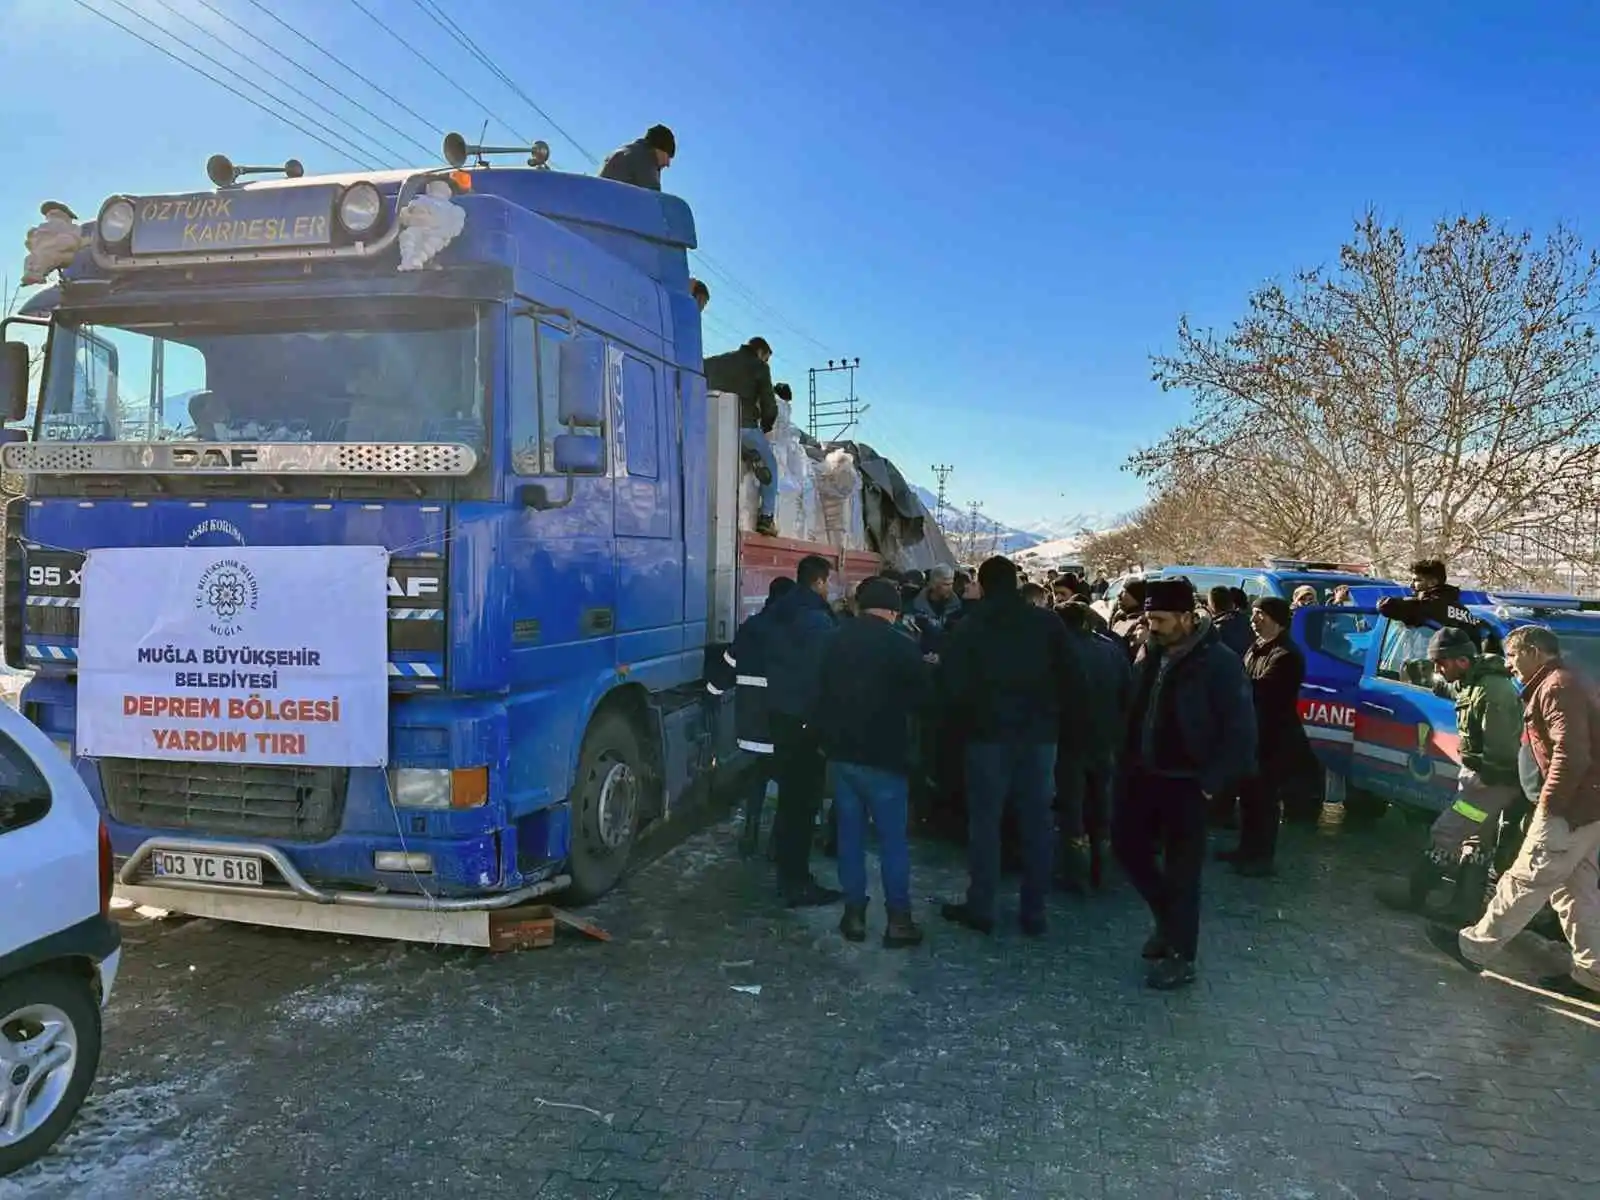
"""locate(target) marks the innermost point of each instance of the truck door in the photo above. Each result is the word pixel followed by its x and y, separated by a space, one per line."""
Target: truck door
pixel 1335 641
pixel 649 511
pixel 1405 734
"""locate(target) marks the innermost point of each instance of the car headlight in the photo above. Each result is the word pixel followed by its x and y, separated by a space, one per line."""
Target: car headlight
pixel 360 208
pixel 116 220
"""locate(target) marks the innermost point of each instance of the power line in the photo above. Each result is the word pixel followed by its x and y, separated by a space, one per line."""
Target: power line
pixel 183 62
pixel 337 91
pixel 448 24
pixel 344 66
pixel 757 305
pixel 441 72
pixel 367 142
pixel 352 150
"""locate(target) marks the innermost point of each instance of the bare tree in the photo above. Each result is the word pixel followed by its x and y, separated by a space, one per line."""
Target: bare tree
pixel 1437 398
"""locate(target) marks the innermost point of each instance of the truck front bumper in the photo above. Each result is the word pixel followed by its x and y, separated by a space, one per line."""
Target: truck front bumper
pixel 295 903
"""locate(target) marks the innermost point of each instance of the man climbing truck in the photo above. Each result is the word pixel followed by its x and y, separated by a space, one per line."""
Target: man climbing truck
pixel 375 532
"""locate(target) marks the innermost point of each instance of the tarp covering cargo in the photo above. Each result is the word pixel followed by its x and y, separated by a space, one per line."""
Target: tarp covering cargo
pixel 847 495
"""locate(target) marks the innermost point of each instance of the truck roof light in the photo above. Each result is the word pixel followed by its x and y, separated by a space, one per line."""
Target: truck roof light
pixel 360 208
pixel 116 221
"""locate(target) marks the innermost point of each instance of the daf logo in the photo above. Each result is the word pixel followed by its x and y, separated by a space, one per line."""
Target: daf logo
pixel 229 458
pixel 415 588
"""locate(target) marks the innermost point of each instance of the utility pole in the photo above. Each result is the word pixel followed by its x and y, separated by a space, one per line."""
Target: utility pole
pixel 835 415
pixel 974 515
pixel 941 473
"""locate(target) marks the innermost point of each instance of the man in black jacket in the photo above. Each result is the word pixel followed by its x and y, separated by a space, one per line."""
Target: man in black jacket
pixel 1008 674
pixel 1090 733
pixel 873 684
pixel 641 162
pixel 747 374
pixel 743 667
pixel 1276 669
pixel 802 623
pixel 1433 601
pixel 1191 734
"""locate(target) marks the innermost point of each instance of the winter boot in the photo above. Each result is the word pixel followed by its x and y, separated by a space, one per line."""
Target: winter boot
pixel 1470 896
pixel 853 925
pixel 1411 894
pixel 902 932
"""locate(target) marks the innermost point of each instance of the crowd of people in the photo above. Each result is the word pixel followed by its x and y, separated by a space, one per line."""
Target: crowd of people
pixel 1097 738
pixel 1131 730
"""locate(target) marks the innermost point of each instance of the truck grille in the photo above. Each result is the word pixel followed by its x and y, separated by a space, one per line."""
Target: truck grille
pixel 293 804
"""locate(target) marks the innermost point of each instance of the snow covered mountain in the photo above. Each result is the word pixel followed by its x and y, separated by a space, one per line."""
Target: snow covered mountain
pixel 1007 539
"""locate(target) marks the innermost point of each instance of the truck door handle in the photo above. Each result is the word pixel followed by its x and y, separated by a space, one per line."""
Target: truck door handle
pixel 1377 707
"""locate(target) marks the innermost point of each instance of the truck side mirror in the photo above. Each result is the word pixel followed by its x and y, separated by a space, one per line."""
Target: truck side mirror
pixel 583 384
pixel 13 381
pixel 580 454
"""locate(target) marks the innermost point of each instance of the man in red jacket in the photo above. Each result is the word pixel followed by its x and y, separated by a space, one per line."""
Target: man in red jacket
pixel 1558 859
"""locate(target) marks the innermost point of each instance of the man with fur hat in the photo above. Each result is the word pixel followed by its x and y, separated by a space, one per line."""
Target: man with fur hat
pixel 1191 735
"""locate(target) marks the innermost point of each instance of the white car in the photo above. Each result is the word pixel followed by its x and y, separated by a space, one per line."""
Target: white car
pixel 59 946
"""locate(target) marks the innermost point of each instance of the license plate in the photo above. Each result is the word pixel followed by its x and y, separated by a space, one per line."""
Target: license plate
pixel 207 868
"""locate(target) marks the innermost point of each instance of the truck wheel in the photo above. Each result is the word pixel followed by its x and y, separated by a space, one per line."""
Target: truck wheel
pixel 49 1051
pixel 606 806
pixel 1362 805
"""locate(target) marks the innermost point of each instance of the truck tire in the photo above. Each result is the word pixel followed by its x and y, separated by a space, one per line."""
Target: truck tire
pixel 58 1013
pixel 606 806
pixel 1361 805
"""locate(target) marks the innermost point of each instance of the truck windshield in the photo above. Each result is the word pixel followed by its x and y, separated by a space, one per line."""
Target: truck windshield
pixel 362 375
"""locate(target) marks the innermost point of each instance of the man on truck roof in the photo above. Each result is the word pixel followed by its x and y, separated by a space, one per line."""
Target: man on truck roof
pixel 745 372
pixel 641 162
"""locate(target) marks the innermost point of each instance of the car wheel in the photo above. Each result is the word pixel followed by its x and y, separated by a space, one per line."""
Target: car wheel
pixel 1361 805
pixel 606 806
pixel 49 1051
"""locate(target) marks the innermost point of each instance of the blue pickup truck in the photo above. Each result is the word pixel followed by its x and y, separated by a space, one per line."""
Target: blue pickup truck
pixel 1368 703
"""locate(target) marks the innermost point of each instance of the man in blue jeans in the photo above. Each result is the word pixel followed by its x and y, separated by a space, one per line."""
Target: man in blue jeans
pixel 1008 675
pixel 873 683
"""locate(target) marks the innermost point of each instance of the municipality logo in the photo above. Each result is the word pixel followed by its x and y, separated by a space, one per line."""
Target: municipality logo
pixel 226 592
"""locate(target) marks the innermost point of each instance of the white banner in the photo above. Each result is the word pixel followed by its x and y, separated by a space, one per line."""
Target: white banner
pixel 261 654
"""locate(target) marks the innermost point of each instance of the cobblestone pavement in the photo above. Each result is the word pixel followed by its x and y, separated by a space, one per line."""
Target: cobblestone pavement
pixel 1327 1052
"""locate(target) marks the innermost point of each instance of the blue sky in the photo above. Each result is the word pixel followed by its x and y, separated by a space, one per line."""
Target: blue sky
pixel 1002 214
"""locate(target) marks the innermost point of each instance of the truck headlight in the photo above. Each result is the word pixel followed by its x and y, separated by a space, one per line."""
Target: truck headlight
pixel 439 788
pixel 116 220
pixel 360 208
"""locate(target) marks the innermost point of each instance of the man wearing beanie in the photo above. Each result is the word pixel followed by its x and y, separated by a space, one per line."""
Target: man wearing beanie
pixel 641 162
pixel 874 683
pixel 1489 722
pixel 1191 735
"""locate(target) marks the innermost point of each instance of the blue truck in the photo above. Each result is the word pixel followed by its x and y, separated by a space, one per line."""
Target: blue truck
pixel 1383 733
pixel 490 376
